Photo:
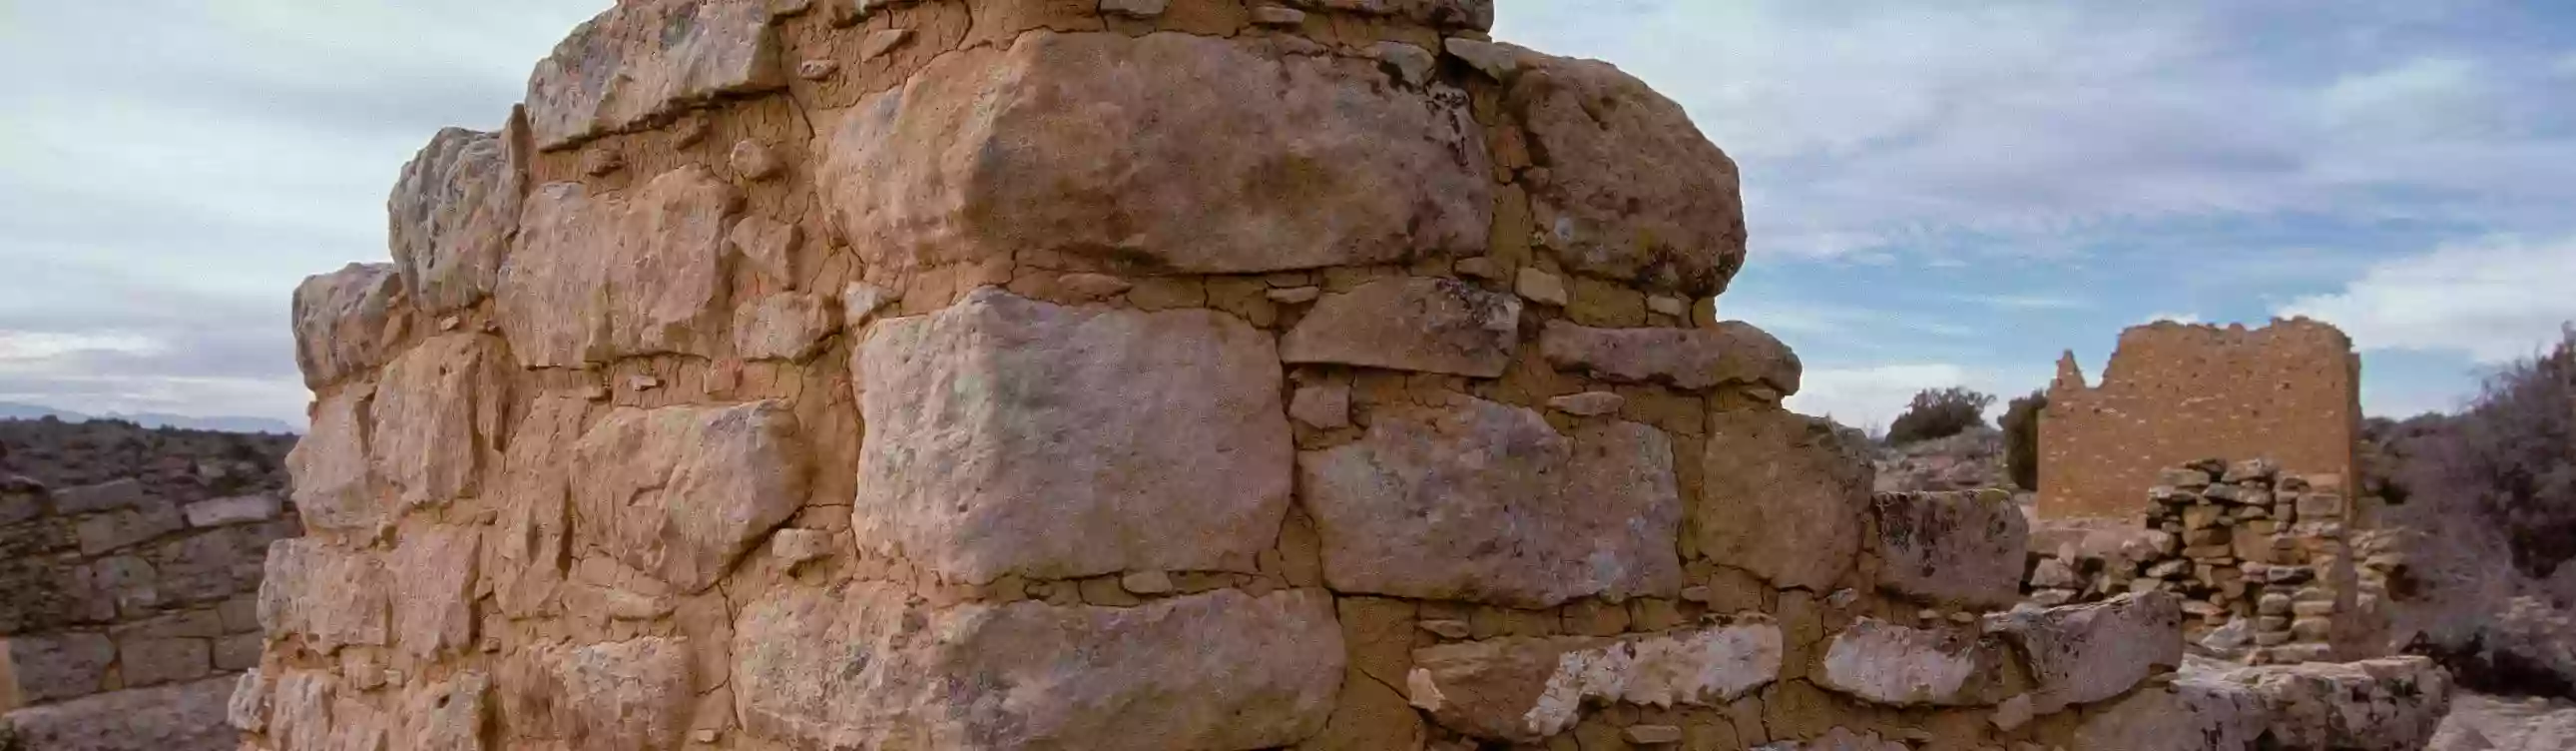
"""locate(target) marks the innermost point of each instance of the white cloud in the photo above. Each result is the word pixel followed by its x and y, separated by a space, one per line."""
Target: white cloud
pixel 2174 317
pixel 2494 300
pixel 1869 397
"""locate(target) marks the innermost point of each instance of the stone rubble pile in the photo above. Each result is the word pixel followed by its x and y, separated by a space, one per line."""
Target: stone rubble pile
pixel 2258 555
pixel 1187 374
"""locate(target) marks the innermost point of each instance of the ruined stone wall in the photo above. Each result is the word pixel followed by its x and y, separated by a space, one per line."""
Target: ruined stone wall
pixel 2175 393
pixel 2262 558
pixel 1122 374
pixel 129 564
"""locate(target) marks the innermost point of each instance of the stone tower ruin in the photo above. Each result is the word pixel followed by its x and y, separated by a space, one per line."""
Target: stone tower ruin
pixel 1117 374
pixel 2176 393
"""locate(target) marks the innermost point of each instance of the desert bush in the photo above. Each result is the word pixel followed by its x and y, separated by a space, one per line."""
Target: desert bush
pixel 2021 439
pixel 1939 413
pixel 2509 459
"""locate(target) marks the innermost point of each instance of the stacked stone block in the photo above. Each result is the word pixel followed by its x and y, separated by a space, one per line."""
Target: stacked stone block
pixel 1186 374
pixel 2258 555
pixel 134 591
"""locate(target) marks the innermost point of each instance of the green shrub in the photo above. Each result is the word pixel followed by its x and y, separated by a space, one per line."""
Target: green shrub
pixel 1939 413
pixel 2021 439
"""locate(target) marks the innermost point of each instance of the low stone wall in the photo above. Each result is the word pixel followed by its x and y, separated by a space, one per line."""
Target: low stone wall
pixel 2258 555
pixel 130 584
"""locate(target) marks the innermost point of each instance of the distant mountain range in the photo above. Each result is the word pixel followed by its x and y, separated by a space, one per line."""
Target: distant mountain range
pixel 229 424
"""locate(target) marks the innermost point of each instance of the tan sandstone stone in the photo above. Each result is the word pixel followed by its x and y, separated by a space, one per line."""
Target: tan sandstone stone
pixel 643 62
pixel 1733 352
pixel 1223 671
pixel 1266 161
pixel 1782 497
pixel 631 695
pixel 329 595
pixel 1485 502
pixel 1896 665
pixel 1526 690
pixel 1414 323
pixel 1008 435
pixel 436 416
pixel 1962 548
pixel 333 483
pixel 452 213
pixel 683 492
pixel 1632 191
pixel 599 278
pixel 2081 654
pixel 348 322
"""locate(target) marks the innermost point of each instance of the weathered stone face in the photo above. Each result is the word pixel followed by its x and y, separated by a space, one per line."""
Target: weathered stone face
pixel 599 278
pixel 332 485
pixel 1235 156
pixel 1485 502
pixel 682 492
pixel 1418 324
pixel 1008 435
pixel 1966 548
pixel 347 321
pixel 1734 352
pixel 1782 497
pixel 1633 191
pixel 2187 716
pixel 329 595
pixel 528 545
pixel 434 417
pixel 1222 670
pixel 642 62
pixel 433 574
pixel 1525 690
pixel 631 695
pixel 1899 666
pixel 451 216
pixel 1471 14
pixel 2080 654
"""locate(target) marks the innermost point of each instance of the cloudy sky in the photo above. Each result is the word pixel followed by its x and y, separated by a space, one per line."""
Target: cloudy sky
pixel 1937 196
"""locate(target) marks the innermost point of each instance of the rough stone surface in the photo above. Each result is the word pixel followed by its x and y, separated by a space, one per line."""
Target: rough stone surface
pixel 683 492
pixel 1633 191
pixel 1783 497
pixel 240 509
pixel 2393 704
pixel 435 415
pixel 598 278
pixel 639 63
pixel 347 321
pixel 1485 502
pixel 433 602
pixel 632 694
pixel 58 666
pixel 333 480
pixel 1265 161
pixel 2190 715
pixel 165 718
pixel 1966 548
pixel 1182 461
pixel 784 326
pixel 1419 324
pixel 2081 654
pixel 1901 666
pixel 1733 352
pixel 1526 690
pixel 451 215
pixel 328 595
pixel 1222 670
pixel 1470 14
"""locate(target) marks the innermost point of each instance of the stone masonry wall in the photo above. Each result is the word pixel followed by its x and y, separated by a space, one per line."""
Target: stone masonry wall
pixel 2259 555
pixel 2175 393
pixel 1133 374
pixel 129 566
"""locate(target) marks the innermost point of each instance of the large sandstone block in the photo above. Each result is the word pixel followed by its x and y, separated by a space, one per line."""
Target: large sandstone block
pixel 445 716
pixel 631 695
pixel 528 549
pixel 1782 496
pixel 330 595
pixel 2081 654
pixel 1486 502
pixel 594 279
pixel 347 322
pixel 1965 548
pixel 2389 704
pixel 2190 715
pixel 683 492
pixel 1696 359
pixel 47 667
pixel 1472 14
pixel 1007 435
pixel 434 574
pixel 1895 665
pixel 333 482
pixel 437 415
pixel 1167 152
pixel 1526 690
pixel 643 62
pixel 451 215
pixel 1415 323
pixel 1222 671
pixel 1632 191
